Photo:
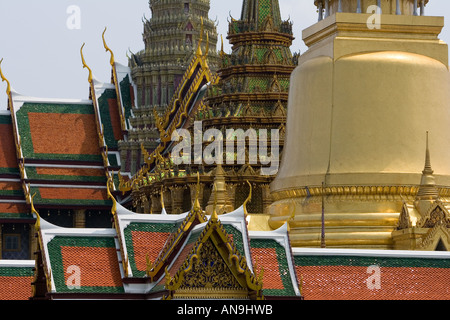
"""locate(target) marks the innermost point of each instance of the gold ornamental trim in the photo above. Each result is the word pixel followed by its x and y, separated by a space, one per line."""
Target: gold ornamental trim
pixel 352 191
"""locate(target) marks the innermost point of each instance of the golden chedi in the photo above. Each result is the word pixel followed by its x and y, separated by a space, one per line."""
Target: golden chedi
pixel 362 100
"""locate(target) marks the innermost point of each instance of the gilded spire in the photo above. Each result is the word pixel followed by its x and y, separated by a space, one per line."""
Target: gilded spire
pixel 427 169
pixel 197 206
pixel 200 39
pixel 427 189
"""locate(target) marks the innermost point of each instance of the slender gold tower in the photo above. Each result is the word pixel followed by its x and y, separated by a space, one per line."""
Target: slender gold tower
pixel 361 101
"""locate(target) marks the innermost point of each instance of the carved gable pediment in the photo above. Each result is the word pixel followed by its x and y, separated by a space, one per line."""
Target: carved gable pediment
pixel 213 268
pixel 209 274
pixel 437 214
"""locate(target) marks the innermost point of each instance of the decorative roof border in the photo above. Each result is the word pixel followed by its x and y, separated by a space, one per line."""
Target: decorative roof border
pixel 371 253
pixel 281 236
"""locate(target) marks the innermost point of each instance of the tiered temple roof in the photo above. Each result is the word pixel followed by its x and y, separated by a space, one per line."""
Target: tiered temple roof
pixel 164 256
pixel 66 155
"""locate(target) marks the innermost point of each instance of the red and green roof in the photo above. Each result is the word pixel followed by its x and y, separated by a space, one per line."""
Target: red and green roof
pixel 58 132
pixel 96 259
pixel 60 149
pixel 54 195
pixel 373 275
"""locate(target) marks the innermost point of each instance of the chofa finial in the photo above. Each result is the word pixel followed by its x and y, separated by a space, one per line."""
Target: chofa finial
pixel 8 88
pixel 85 65
pixel 107 48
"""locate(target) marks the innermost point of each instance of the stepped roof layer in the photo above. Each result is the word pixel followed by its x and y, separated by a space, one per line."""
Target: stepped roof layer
pixel 64 149
pixel 12 203
pixel 60 158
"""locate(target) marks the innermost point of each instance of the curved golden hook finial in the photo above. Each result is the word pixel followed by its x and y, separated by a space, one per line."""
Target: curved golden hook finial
pixel 85 65
pixel 249 198
pixel 112 61
pixel 33 210
pixel 8 88
pixel 109 187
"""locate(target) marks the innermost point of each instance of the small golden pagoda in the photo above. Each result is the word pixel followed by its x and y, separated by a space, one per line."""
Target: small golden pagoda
pixel 372 84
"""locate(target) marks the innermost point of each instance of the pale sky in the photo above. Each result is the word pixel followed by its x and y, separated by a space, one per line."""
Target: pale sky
pixel 41 54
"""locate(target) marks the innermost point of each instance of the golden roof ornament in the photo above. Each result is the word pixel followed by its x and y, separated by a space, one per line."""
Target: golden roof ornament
pixel 8 88
pixel 90 78
pixel 112 62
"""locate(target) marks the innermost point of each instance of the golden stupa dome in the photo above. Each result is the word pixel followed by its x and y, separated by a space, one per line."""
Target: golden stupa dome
pixel 360 104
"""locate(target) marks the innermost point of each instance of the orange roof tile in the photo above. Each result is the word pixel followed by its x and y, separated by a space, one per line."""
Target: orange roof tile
pixel 147 243
pixel 57 133
pixel 15 288
pixel 266 259
pixel 73 193
pixel 397 283
pixel 99 266
pixel 71 172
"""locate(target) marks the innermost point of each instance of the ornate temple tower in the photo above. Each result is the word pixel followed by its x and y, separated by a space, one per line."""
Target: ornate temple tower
pixel 171 37
pixel 249 93
pixel 361 101
pixel 252 93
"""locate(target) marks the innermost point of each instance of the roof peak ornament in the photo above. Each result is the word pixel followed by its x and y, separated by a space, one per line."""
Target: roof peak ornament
pixel 8 88
pixel 112 61
pixel 85 65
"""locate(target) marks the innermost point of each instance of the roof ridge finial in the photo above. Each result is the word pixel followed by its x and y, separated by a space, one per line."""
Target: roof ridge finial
pixel 112 61
pixel 8 88
pixel 85 65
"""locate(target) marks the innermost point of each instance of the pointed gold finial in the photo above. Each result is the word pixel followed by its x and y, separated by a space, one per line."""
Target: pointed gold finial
pixel 214 215
pixel 112 62
pixel 221 46
pixel 197 194
pixel 8 88
pixel 427 169
pixel 207 44
pixel 200 39
pixel 85 65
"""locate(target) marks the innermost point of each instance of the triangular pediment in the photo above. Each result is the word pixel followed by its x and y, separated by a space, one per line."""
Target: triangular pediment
pixel 437 214
pixel 437 239
pixel 210 276
pixel 213 268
